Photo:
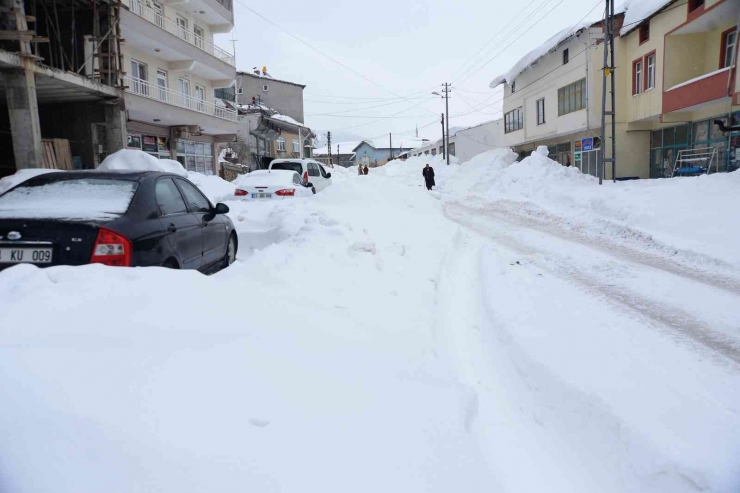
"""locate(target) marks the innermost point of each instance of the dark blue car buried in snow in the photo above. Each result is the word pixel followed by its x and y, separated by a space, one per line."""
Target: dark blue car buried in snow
pixel 128 218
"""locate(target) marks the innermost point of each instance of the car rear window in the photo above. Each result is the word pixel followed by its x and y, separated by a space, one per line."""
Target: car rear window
pixel 297 167
pixel 82 199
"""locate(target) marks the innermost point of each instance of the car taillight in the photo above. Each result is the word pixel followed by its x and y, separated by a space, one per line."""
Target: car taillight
pixel 240 193
pixel 305 176
pixel 289 192
pixel 111 249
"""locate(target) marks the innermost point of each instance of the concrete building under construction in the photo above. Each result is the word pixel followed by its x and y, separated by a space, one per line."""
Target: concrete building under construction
pixel 98 76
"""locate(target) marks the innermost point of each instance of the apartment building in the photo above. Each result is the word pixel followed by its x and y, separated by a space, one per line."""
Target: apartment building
pixel 174 77
pixel 552 97
pixel 467 143
pixel 283 96
pixel 679 76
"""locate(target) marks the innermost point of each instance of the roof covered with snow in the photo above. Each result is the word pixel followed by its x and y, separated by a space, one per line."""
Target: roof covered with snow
pixel 343 147
pixel 640 10
pixel 384 143
pixel 541 51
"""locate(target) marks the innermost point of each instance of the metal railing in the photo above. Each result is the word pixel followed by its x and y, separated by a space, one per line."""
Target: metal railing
pixel 146 89
pixel 225 94
pixel 158 19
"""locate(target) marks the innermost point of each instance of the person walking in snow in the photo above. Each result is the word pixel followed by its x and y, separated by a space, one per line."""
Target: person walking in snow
pixel 428 174
pixel 365 171
pixel 359 170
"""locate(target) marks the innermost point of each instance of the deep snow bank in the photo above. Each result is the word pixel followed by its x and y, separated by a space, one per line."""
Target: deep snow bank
pixel 685 213
pixel 308 366
pixel 214 187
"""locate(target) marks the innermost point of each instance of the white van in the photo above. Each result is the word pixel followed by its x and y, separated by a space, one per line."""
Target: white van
pixel 311 171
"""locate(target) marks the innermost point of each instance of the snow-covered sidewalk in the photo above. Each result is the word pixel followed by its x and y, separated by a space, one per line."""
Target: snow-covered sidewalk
pixel 378 337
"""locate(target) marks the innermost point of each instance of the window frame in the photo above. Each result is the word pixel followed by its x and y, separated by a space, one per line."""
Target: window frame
pixel 280 144
pixel 182 185
pixel 540 105
pixel 573 97
pixel 296 145
pixel 646 68
pixel 513 87
pixel 724 45
pixel 566 56
pixel 637 84
pixel 644 32
pixel 514 120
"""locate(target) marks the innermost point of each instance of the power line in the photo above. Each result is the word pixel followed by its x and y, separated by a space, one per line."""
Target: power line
pixel 364 108
pixel 316 49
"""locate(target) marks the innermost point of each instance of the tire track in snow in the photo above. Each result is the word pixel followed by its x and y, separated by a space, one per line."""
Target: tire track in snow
pixel 637 247
pixel 671 319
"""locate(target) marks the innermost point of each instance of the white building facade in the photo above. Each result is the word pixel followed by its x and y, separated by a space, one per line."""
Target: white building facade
pixel 467 143
pixel 174 71
pixel 552 97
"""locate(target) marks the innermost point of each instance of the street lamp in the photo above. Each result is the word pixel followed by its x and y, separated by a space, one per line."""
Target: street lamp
pixel 445 138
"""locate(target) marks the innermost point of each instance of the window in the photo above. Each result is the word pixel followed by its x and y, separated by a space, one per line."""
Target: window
pixel 645 31
pixel 297 167
pixel 139 76
pixel 451 149
pixel 729 45
pixel 434 152
pixel 281 144
pixel 323 171
pixel 441 150
pixel 195 200
pixel 514 120
pixel 541 111
pixel 265 88
pixel 169 199
pixel 183 86
pixel 637 77
pixel 199 36
pixel 572 97
pixel 296 146
pixel 182 27
pixel 695 4
pixel 297 179
pixel 650 79
pixel 158 14
pixel 195 156
pixel 566 56
pixel 200 95
pixel 161 84
pixel 513 87
pixel 313 169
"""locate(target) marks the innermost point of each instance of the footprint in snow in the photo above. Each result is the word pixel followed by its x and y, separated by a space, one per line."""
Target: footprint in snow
pixel 259 423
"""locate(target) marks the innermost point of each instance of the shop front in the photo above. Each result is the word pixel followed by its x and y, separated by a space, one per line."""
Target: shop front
pixel 195 153
pixel 667 143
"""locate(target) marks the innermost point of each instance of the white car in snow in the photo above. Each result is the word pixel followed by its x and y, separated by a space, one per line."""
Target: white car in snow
pixel 311 171
pixel 271 185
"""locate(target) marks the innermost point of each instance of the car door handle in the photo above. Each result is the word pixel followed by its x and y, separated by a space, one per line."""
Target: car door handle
pixel 172 228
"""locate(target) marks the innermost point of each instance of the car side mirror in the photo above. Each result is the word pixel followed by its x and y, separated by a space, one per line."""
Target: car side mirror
pixel 328 175
pixel 221 208
pixel 308 185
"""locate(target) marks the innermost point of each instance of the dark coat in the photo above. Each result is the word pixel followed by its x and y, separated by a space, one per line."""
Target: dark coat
pixel 428 174
pixel 365 171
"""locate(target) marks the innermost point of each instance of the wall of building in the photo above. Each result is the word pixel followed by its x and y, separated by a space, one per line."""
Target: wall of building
pixel 477 140
pixel 284 97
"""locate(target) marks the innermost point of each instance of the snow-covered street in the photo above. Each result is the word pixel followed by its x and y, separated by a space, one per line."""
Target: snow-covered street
pixel 518 329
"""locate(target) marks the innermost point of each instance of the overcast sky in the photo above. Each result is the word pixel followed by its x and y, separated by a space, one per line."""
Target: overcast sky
pixel 406 48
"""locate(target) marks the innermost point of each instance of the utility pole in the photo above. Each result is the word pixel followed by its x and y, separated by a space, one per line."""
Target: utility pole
pixel 444 143
pixel 608 72
pixel 447 91
pixel 391 143
pixel 328 138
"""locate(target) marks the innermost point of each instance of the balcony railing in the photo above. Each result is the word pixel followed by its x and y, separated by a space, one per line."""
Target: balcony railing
pixel 158 19
pixel 167 96
pixel 225 95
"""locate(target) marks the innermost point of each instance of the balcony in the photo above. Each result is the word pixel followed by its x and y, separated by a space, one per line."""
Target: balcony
pixel 167 96
pixel 697 91
pixel 156 18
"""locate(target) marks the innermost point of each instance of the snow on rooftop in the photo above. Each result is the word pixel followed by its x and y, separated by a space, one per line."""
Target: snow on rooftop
pixel 287 119
pixel 339 147
pixel 398 143
pixel 639 10
pixel 533 56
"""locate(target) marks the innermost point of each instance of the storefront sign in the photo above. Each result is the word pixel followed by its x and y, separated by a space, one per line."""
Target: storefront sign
pixel 588 144
pixel 149 143
pixel 577 145
pixel 134 141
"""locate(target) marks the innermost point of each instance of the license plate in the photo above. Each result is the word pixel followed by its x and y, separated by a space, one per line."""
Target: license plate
pixel 25 255
pixel 261 195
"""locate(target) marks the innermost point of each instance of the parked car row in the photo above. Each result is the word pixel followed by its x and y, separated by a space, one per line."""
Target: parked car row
pixel 136 218
pixel 286 178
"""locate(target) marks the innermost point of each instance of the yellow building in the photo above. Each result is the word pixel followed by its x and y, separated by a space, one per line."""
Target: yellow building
pixel 677 75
